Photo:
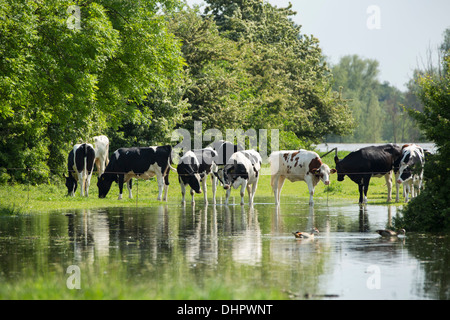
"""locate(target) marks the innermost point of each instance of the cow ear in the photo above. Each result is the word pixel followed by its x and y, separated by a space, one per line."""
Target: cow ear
pixel 315 171
pixel 333 171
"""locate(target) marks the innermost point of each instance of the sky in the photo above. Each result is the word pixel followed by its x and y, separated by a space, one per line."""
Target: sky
pixel 399 34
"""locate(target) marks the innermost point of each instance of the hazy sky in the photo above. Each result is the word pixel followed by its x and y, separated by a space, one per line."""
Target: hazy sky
pixel 397 33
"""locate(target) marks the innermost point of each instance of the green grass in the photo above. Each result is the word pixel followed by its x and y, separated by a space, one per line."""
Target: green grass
pixel 16 199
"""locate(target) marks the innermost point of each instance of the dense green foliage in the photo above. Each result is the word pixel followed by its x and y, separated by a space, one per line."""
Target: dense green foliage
pixel 61 83
pixel 430 211
pixel 136 71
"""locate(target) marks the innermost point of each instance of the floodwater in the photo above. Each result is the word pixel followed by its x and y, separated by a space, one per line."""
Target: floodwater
pixel 347 260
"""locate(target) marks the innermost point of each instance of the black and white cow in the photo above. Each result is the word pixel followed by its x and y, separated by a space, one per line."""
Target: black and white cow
pixel 411 170
pixel 225 150
pixel 193 170
pixel 101 147
pixel 297 165
pixel 141 163
pixel 80 164
pixel 242 169
pixel 188 174
pixel 372 161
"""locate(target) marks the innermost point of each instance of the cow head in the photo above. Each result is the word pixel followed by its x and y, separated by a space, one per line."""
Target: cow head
pixel 194 182
pixel 71 184
pixel 409 171
pixel 232 175
pixel 320 170
pixel 323 173
pixel 104 184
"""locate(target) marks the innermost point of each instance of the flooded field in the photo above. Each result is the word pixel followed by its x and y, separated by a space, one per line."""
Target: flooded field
pixel 230 248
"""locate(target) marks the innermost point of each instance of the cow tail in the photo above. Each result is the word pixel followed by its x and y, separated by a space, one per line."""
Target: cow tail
pixel 169 162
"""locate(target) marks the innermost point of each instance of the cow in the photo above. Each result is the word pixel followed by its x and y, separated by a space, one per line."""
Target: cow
pixel 224 150
pixel 242 169
pixel 193 168
pixel 188 175
pixel 372 161
pixel 101 147
pixel 80 164
pixel 411 170
pixel 137 162
pixel 297 165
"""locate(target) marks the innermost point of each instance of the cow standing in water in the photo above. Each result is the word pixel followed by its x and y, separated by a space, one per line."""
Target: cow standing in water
pixel 297 165
pixel 193 170
pixel 141 163
pixel 368 162
pixel 80 164
pixel 411 170
pixel 242 169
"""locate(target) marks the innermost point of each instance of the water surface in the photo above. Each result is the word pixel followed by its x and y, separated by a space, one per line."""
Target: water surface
pixel 236 244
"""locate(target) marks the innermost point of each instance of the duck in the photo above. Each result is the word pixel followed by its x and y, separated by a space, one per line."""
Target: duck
pixel 390 233
pixel 299 234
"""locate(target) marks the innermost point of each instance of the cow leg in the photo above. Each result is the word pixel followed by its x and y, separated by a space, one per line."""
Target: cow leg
pixel 406 190
pixel 88 183
pixel 183 192
pixel 129 186
pixel 249 191
pixel 243 187
pixel 81 181
pixel 213 187
pixel 388 178
pixel 227 195
pixel 205 197
pixel 361 193
pixel 121 179
pixel 281 181
pixel 160 180
pixel 311 188
pixel 366 181
pixel 166 186
pixel 252 196
pixel 192 195
pixel 274 184
pixel 397 186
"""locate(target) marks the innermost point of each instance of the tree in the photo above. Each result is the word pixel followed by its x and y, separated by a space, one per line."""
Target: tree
pixel 217 84
pixel 358 78
pixel 291 83
pixel 62 83
pixel 430 211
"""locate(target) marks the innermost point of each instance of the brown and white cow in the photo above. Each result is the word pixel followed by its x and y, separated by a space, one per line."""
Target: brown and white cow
pixel 297 165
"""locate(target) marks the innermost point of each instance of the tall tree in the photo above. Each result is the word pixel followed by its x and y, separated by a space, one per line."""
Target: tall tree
pixel 62 82
pixel 291 83
pixel 430 211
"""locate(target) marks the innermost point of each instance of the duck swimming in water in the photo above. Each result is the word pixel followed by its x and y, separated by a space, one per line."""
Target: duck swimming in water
pixel 305 235
pixel 390 233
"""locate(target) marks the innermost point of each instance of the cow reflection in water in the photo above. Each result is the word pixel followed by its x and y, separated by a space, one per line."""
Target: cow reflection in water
pixel 89 233
pixel 205 225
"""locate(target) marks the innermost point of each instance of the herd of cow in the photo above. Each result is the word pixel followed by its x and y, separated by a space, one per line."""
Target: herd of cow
pixel 233 167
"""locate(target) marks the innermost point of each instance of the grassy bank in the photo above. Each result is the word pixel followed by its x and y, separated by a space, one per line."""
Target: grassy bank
pixel 16 199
